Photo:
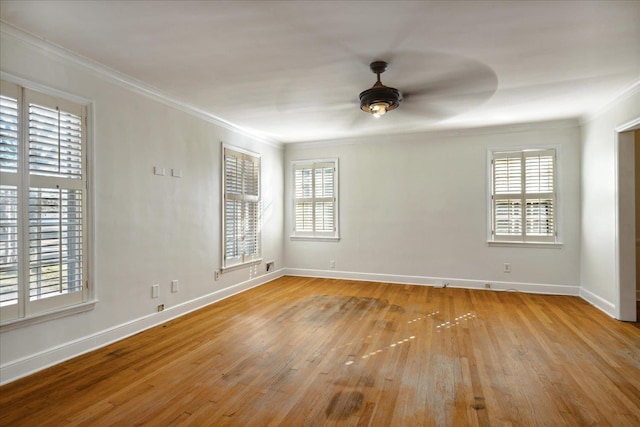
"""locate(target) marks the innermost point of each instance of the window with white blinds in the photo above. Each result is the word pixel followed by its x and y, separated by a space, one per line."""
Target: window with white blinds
pixel 523 196
pixel 315 199
pixel 43 214
pixel 241 200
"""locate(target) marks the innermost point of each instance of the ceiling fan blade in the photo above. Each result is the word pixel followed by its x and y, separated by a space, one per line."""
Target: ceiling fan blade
pixel 429 112
pixel 463 82
pixel 313 108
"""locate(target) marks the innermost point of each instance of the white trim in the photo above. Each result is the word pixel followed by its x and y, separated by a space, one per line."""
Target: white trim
pixel 47 90
pixel 559 205
pixel 629 126
pixel 535 288
pixel 628 92
pixel 128 82
pixel 239 266
pixel 22 322
pixel 625 222
pixel 311 236
pixel 315 239
pixel 29 91
pixel 516 244
pixel 598 302
pixel 16 369
pixel 239 150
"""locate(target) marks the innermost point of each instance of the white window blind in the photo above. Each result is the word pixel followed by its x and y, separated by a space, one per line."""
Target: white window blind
pixel 315 199
pixel 524 196
pixel 241 215
pixel 43 263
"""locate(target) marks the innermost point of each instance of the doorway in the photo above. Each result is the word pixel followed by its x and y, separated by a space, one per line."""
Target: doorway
pixel 626 219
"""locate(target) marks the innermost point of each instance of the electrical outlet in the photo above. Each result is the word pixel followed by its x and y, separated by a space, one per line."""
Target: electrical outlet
pixel 161 307
pixel 332 264
pixel 487 285
pixel 216 275
pixel 270 265
pixel 155 290
pixel 507 267
pixel 174 286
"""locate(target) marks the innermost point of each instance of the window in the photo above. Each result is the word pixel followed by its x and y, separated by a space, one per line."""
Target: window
pixel 315 211
pixel 524 196
pixel 43 203
pixel 241 201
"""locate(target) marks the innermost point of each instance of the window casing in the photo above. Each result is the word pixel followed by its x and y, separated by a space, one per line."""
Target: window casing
pixel 524 196
pixel 43 203
pixel 241 226
pixel 315 199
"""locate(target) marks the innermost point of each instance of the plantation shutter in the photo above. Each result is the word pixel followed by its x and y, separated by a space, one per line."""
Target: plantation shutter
pixel 241 222
pixel 315 199
pixel 524 195
pixel 9 137
pixel 56 199
pixel 540 195
pixel 43 202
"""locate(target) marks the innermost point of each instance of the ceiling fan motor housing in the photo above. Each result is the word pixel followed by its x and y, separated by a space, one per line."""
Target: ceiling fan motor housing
pixel 379 93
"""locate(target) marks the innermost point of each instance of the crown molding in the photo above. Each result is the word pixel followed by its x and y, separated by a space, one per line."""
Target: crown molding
pixel 625 94
pixel 123 80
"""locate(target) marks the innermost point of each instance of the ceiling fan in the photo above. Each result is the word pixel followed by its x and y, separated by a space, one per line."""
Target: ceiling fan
pixel 380 98
pixel 436 86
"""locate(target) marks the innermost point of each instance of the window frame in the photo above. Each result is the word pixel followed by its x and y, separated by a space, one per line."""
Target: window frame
pixel 26 312
pixel 554 241
pixel 246 199
pixel 316 235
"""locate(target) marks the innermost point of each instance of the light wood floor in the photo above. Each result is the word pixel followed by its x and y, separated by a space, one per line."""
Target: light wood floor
pixel 315 352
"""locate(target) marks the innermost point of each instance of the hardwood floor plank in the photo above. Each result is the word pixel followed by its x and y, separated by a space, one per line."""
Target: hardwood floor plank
pixel 326 352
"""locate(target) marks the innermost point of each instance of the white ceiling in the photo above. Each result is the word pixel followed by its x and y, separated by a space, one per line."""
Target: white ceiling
pixel 292 70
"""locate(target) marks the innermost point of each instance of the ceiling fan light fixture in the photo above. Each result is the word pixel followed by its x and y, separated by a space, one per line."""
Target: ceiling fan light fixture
pixel 379 109
pixel 380 98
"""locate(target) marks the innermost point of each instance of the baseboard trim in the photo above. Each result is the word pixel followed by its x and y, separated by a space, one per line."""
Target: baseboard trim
pixel 598 302
pixel 534 288
pixel 33 363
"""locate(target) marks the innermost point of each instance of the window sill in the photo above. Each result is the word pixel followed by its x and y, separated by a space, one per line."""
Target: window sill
pixel 239 266
pixel 315 239
pixel 10 325
pixel 508 244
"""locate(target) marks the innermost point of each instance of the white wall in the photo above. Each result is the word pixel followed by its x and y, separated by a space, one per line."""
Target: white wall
pixel 599 273
pixel 148 229
pixel 413 209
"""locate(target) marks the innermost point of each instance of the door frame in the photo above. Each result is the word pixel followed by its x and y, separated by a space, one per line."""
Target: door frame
pixel 625 221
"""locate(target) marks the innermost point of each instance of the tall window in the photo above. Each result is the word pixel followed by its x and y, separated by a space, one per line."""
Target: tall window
pixel 241 217
pixel 524 196
pixel 315 194
pixel 43 198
